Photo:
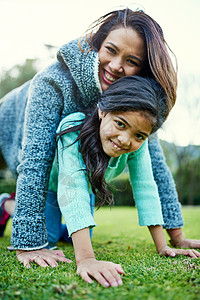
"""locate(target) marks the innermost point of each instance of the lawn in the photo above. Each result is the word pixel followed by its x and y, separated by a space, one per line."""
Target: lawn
pixel 117 238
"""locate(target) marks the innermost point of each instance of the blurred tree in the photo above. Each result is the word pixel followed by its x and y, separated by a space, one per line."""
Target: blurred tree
pixel 184 163
pixel 17 75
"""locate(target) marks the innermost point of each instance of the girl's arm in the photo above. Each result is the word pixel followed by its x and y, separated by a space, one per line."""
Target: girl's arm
pixel 106 273
pixel 161 245
pixel 147 201
pixel 74 202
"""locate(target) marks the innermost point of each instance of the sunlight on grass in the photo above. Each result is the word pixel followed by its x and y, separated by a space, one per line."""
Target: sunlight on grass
pixel 117 238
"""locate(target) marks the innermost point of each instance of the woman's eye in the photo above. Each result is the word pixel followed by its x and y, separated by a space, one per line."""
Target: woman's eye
pixel 132 62
pixel 111 50
pixel 120 124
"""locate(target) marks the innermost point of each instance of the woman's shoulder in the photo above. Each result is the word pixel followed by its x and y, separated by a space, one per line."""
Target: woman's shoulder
pixel 71 120
pixel 54 72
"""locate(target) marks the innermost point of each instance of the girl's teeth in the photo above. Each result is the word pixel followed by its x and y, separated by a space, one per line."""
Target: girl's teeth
pixel 109 78
pixel 115 146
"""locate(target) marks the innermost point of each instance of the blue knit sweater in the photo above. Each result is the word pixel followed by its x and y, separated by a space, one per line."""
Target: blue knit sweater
pixel 29 117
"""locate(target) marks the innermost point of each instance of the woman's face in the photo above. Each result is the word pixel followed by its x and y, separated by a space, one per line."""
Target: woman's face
pixel 121 54
pixel 123 132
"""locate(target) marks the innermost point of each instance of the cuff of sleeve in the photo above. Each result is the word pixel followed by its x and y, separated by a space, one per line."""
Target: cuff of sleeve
pixel 29 233
pixel 150 219
pixel 172 215
pixel 81 223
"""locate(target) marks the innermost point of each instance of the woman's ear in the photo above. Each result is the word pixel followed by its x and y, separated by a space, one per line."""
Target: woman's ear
pixel 101 114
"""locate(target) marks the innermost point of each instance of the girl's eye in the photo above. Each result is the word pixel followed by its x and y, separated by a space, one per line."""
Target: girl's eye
pixel 120 124
pixel 140 137
pixel 111 50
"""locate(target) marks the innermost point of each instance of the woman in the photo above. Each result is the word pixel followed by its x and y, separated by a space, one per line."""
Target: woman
pixel 126 43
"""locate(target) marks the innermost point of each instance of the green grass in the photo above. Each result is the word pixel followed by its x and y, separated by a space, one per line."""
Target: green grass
pixel 117 238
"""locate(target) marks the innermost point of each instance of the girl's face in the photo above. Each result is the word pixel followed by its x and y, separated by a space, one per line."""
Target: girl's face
pixel 123 132
pixel 121 54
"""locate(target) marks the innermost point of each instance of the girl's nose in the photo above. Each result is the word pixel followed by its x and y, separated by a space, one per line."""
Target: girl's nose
pixel 124 140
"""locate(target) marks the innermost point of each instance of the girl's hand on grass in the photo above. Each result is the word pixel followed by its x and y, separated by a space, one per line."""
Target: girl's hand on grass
pixel 42 257
pixel 167 251
pixel 106 273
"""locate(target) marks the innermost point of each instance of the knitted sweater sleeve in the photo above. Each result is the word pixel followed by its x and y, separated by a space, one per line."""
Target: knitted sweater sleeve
pixel 171 207
pixel 144 187
pixel 42 117
pixel 73 188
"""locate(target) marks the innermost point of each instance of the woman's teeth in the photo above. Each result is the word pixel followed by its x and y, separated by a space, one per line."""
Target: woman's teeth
pixel 108 77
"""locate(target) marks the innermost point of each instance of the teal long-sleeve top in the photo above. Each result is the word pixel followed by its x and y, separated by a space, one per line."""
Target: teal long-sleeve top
pixel 68 176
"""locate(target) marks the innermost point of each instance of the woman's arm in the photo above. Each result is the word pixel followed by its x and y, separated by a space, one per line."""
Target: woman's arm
pixel 171 207
pixel 42 116
pixel 106 273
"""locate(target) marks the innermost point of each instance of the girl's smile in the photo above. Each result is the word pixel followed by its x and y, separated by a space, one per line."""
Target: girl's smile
pixel 121 54
pixel 123 132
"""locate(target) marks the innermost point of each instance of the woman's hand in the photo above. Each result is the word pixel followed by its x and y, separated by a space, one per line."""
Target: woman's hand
pixel 178 239
pixel 42 257
pixel 167 251
pixel 106 273
pixel 186 243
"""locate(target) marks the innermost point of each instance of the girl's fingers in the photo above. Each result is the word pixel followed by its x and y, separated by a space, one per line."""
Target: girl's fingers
pixel 85 277
pixel 112 277
pixel 197 253
pixel 119 269
pixel 99 278
pixel 105 273
pixel 170 253
pixel 115 273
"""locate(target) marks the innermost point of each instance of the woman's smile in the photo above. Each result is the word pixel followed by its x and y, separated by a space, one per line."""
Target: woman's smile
pixel 108 77
pixel 122 53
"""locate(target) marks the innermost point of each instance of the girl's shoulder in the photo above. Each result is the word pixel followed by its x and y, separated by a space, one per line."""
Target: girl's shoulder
pixel 143 149
pixel 70 121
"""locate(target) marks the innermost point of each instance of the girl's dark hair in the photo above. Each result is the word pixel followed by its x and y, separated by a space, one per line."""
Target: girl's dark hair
pixel 129 93
pixel 158 64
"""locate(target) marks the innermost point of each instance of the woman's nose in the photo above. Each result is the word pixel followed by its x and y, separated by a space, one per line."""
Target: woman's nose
pixel 116 65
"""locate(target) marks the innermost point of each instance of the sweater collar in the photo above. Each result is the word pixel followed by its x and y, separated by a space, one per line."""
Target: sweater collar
pixel 83 65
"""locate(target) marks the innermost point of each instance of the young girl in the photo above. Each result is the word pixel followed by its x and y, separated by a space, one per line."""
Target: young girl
pixel 92 149
pixel 122 43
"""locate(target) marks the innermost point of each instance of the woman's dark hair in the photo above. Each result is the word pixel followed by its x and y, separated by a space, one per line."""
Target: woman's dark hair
pixel 129 93
pixel 158 64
